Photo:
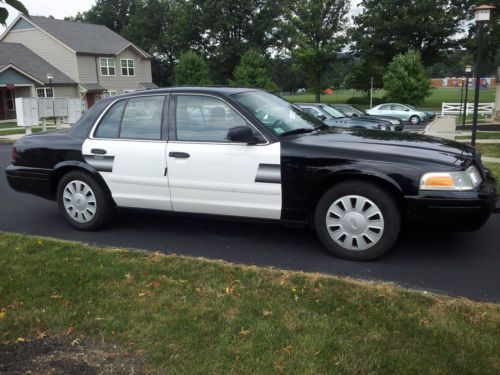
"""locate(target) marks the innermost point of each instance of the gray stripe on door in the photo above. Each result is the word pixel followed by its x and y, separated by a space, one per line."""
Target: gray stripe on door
pixel 100 162
pixel 269 173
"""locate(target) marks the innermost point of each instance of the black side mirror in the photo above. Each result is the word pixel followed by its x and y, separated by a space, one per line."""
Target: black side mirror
pixel 242 134
pixel 321 117
pixel 355 115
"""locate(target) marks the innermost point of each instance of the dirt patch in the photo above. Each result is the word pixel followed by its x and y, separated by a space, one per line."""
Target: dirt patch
pixel 64 355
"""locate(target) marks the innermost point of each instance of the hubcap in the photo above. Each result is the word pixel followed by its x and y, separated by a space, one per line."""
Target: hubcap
pixel 79 201
pixel 414 120
pixel 355 222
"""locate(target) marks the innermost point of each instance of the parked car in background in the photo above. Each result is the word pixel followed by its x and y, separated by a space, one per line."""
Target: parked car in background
pixel 357 113
pixel 430 115
pixel 401 111
pixel 333 117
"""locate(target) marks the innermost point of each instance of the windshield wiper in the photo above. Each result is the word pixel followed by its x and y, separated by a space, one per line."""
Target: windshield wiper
pixel 297 131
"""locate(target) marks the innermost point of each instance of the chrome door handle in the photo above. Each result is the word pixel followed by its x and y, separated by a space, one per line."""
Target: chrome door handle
pixel 179 155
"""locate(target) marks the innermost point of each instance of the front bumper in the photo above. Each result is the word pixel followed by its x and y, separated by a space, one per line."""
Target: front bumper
pixel 460 210
pixel 35 181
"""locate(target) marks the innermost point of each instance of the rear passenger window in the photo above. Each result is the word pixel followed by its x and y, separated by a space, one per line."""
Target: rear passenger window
pixel 110 124
pixel 142 118
pixel 205 119
pixel 136 118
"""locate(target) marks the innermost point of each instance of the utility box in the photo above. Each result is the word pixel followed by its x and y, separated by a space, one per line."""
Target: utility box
pixel 27 112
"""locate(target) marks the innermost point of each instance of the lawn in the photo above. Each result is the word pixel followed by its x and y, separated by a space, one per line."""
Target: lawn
pixel 481 135
pixel 194 316
pixel 489 149
pixel 434 101
pixel 7 125
pixel 495 168
pixel 22 131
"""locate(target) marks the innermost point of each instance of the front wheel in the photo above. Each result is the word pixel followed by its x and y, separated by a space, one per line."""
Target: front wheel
pixel 358 220
pixel 82 201
pixel 414 120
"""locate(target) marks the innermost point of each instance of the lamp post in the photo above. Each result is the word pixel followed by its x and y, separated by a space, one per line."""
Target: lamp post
pixel 482 15
pixel 468 70
pixel 461 98
pixel 371 92
pixel 50 77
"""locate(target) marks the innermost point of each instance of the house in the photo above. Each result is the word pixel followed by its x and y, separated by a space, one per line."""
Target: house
pixel 95 61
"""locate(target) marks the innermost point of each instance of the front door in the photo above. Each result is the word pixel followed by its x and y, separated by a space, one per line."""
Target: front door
pixel 3 115
pixel 128 150
pixel 90 99
pixel 210 174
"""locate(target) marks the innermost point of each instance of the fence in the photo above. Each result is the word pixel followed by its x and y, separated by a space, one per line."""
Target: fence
pixel 458 108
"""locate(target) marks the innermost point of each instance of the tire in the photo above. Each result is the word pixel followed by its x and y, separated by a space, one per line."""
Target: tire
pixel 414 120
pixel 370 228
pixel 83 202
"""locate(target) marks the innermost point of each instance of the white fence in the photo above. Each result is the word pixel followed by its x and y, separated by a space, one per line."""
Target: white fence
pixel 458 108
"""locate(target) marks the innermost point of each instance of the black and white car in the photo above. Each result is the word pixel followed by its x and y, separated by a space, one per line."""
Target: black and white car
pixel 248 153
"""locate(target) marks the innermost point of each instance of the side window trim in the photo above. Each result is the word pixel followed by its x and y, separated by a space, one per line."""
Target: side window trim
pixel 163 126
pixel 173 120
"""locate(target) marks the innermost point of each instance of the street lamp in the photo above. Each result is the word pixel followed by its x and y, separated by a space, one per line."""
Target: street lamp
pixel 468 70
pixel 50 77
pixel 371 92
pixel 482 15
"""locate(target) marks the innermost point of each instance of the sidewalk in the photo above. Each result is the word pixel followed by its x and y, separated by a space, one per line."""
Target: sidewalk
pixel 490 159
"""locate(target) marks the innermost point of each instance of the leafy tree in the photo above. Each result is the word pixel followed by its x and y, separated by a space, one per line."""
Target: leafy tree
pixel 314 27
pixel 191 70
pixel 406 79
pixel 386 28
pixel 4 13
pixel 115 14
pixel 253 72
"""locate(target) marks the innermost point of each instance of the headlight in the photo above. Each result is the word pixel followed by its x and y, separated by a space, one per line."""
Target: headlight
pixel 384 127
pixel 459 181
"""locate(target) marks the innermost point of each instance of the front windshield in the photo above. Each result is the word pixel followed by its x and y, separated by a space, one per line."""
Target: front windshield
pixel 275 113
pixel 333 111
pixel 410 106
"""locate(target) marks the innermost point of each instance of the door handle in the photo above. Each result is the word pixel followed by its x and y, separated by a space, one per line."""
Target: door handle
pixel 98 151
pixel 180 155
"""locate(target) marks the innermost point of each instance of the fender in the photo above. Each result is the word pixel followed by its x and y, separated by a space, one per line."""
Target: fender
pixel 367 173
pixel 65 166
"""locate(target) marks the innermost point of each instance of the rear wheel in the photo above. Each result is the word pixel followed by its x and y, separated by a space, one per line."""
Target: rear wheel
pixel 82 201
pixel 358 220
pixel 414 120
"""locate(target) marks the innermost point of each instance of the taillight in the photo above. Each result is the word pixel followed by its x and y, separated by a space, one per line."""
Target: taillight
pixel 13 154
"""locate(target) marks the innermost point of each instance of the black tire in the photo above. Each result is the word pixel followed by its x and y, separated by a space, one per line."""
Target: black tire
pixel 414 120
pixel 103 206
pixel 384 202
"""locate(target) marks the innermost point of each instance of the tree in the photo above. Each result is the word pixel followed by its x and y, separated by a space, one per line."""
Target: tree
pixel 4 13
pixel 406 79
pixel 115 14
pixel 385 28
pixel 191 70
pixel 315 39
pixel 253 72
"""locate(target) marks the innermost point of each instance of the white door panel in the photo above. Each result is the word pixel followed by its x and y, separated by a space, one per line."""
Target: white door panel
pixel 133 170
pixel 226 179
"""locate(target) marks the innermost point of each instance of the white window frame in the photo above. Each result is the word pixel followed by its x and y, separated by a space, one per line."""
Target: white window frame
pixel 104 62
pixel 45 92
pixel 109 93
pixel 127 67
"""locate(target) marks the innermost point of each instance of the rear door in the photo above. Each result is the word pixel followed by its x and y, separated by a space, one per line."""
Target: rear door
pixel 210 174
pixel 128 149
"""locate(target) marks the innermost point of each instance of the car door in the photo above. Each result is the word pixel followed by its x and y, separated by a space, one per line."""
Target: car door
pixel 401 111
pixel 384 109
pixel 210 174
pixel 128 149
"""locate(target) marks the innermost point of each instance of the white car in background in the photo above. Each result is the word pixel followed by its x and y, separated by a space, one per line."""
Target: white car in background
pixel 402 111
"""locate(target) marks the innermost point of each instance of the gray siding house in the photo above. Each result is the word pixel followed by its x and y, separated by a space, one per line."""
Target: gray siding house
pixel 95 61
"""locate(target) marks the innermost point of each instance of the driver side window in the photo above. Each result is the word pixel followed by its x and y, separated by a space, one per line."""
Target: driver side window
pixel 201 118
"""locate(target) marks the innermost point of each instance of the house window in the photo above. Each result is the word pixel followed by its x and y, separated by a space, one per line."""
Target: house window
pixel 45 92
pixel 107 66
pixel 109 93
pixel 9 100
pixel 127 66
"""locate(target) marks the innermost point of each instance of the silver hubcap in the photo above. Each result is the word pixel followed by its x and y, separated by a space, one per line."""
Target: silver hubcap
pixel 355 222
pixel 79 201
pixel 414 120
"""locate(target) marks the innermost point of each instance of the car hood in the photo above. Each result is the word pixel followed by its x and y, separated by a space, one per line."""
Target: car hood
pixel 407 145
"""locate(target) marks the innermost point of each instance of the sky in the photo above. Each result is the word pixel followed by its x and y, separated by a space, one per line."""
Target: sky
pixel 60 9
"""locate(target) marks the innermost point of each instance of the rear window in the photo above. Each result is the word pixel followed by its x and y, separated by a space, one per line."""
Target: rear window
pixel 82 127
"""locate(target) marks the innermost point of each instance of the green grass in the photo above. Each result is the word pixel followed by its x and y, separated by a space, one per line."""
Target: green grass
pixel 495 169
pixel 6 125
pixel 489 149
pixel 22 131
pixel 434 101
pixel 193 316
pixel 481 135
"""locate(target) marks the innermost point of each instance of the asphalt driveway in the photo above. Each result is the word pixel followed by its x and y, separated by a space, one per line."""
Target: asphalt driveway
pixel 463 264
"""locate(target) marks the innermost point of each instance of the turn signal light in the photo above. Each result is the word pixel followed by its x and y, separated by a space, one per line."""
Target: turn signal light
pixel 440 181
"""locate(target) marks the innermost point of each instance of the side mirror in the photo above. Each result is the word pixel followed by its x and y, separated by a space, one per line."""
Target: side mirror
pixel 355 115
pixel 321 117
pixel 242 134
pixel 407 110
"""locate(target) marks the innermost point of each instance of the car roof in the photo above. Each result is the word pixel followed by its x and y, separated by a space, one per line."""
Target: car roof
pixel 199 89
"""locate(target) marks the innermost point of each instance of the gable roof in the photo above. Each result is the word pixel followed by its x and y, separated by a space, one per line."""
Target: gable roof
pixel 84 38
pixel 27 62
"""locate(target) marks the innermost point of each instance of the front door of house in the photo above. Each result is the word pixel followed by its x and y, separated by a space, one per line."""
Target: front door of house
pixel 3 115
pixel 90 99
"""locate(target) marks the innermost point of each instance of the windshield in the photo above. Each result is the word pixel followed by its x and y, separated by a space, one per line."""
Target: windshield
pixel 333 112
pixel 275 113
pixel 410 106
